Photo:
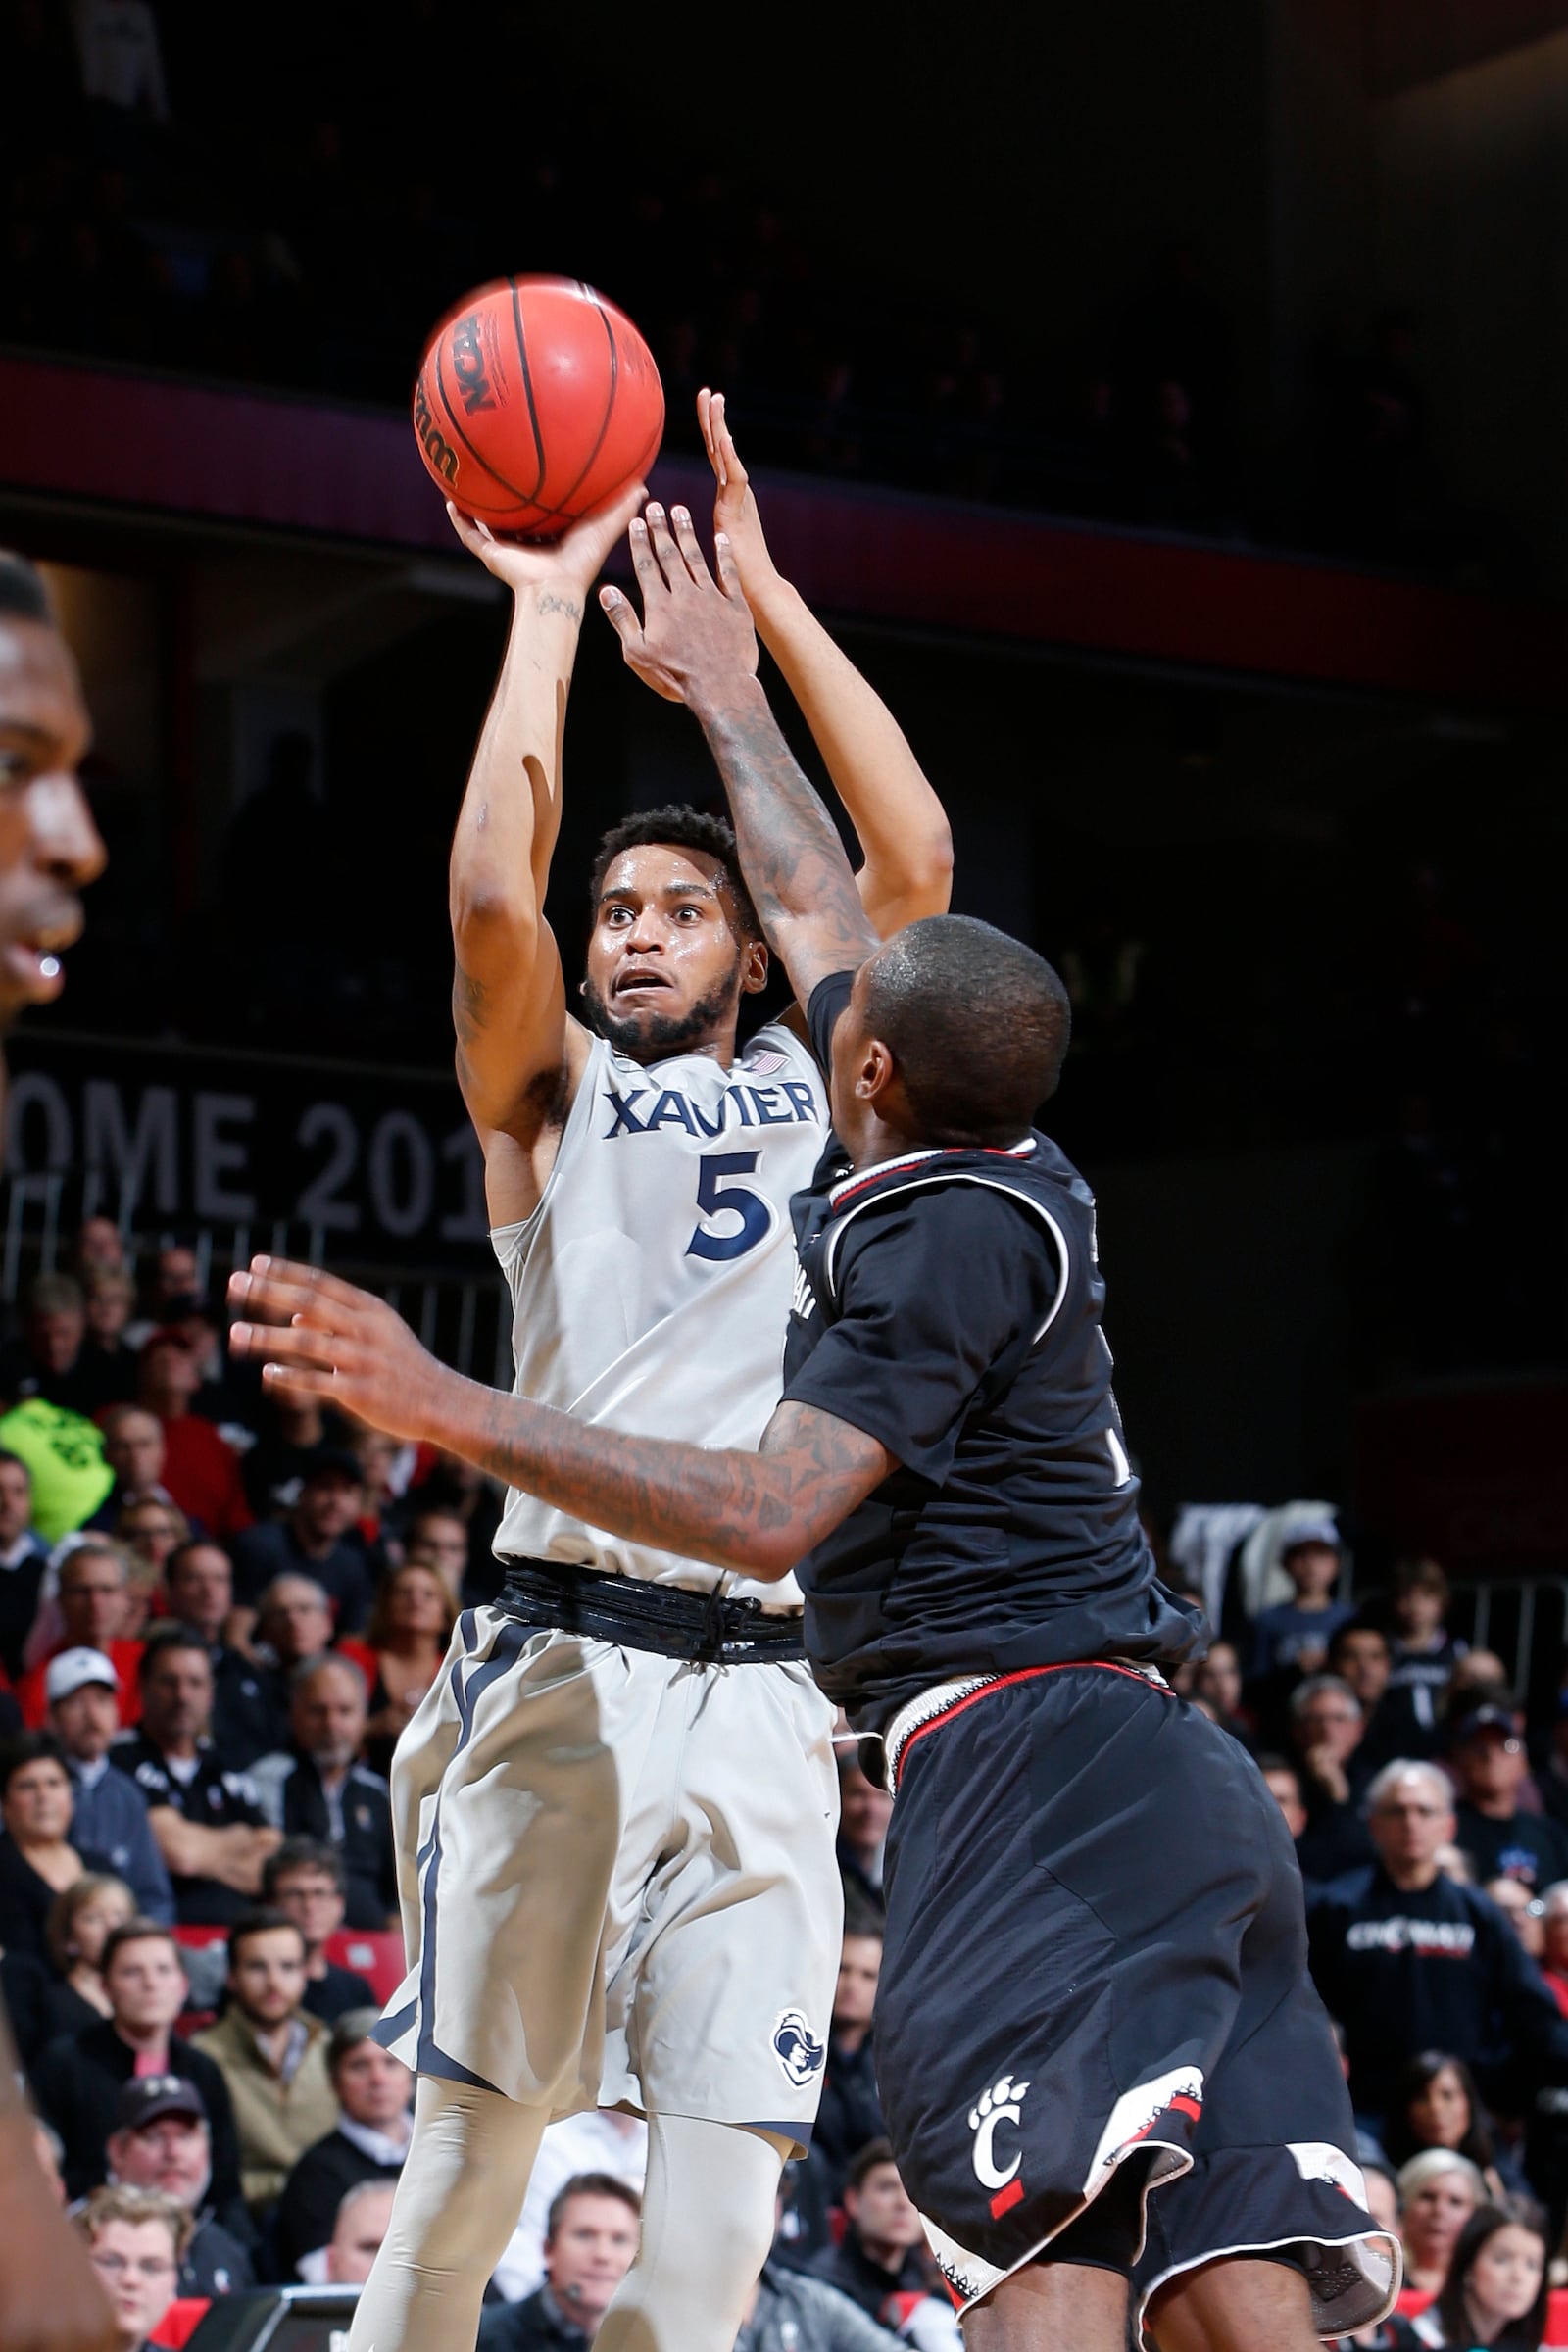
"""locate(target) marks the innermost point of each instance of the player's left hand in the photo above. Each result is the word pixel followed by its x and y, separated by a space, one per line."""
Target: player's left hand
pixel 696 638
pixel 319 1336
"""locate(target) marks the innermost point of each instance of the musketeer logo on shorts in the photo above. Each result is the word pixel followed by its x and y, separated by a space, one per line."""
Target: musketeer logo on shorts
pixel 796 2048
pixel 997 2105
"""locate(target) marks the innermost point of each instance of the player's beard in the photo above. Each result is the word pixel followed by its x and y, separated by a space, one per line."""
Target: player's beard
pixel 655 1036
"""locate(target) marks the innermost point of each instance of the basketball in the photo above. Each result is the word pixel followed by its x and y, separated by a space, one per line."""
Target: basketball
pixel 536 400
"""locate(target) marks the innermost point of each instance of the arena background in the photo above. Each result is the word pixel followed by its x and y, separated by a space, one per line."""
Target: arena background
pixel 1167 409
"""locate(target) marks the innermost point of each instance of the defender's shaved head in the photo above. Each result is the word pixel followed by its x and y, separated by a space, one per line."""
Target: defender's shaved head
pixel 976 1022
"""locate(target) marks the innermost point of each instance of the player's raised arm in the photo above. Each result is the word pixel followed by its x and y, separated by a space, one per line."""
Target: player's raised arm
pixel 515 1041
pixel 696 644
pixel 902 827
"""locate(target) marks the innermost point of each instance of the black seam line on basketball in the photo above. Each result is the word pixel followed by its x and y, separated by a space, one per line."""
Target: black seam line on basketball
pixel 610 397
pixel 478 454
pixel 528 390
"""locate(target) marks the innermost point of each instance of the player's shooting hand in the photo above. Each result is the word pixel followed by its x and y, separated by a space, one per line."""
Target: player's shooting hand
pixel 695 642
pixel 735 502
pixel 570 562
pixel 318 1337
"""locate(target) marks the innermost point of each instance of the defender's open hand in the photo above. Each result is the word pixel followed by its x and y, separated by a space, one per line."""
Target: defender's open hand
pixel 317 1336
pixel 735 512
pixel 696 643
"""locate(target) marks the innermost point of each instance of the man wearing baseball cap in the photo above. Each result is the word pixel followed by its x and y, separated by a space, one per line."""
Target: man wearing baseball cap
pixel 161 2141
pixel 81 1691
pixel 1487 1756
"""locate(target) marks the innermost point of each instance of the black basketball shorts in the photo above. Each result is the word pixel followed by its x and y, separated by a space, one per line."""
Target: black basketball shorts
pixel 1096 1947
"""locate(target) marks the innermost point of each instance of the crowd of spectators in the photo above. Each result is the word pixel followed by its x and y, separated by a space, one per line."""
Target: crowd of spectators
pixel 204 1663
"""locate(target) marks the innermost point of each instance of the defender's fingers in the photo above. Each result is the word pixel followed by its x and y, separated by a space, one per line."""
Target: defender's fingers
pixel 726 439
pixel 729 572
pixel 644 563
pixel 618 611
pixel 691 551
pixel 661 541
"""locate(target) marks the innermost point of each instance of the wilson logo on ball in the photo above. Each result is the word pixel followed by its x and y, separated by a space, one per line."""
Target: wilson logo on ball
pixel 441 460
pixel 467 363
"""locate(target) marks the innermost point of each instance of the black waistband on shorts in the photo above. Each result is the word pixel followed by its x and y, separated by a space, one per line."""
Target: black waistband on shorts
pixel 705 1628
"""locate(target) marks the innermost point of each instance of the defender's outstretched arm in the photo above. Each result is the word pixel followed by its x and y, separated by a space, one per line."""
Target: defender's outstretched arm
pixel 901 824
pixel 515 1041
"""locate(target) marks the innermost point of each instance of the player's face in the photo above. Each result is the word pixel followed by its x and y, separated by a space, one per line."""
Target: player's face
pixel 49 846
pixel 666 963
pixel 854 1117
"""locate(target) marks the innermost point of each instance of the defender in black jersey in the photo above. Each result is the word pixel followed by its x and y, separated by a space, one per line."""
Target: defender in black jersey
pixel 1095 1981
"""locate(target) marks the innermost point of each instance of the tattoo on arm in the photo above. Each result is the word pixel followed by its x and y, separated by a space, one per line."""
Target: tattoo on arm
pixel 469 997
pixel 790 851
pixel 550 603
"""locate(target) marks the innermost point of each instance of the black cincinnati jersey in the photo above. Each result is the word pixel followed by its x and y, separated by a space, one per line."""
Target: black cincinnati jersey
pixel 949 1305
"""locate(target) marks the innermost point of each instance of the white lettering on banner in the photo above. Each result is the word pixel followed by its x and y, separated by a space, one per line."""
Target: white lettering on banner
pixel 318 1203
pixel 34 1090
pixel 402 1216
pixel 217 1155
pixel 1428 1938
pixel 108 1142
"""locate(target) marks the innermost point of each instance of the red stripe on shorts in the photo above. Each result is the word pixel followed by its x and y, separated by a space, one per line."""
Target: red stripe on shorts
pixel 1024 1674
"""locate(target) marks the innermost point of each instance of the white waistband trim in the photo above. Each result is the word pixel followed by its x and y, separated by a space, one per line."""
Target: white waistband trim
pixel 916 1713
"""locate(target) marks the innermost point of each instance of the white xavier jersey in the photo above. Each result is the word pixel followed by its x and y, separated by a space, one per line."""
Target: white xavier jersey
pixel 650 1287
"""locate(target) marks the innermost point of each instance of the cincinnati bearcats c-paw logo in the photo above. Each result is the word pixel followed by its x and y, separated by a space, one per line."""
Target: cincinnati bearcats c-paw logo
pixel 796 2048
pixel 997 2105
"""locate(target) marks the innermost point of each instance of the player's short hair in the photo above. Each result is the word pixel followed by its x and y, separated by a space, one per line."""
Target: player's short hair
pixel 589 2184
pixel 23 594
pixel 874 2153
pixel 977 1024
pixel 679 828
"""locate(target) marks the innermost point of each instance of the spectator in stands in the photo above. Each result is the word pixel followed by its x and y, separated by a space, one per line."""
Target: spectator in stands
pixel 80 1923
pixel 599 2139
pixel 305 1881
pixel 1408 1960
pixel 1217 1683
pixel 1494 2297
pixel 1425 1652
pixel 1435 2105
pixel 590 2245
pixel 318 1788
pixel 97 1249
pixel 42 1362
pixel 106 1367
pixel 80 2078
pixel 457 1486
pixel 152 1531
pixel 174 1276
pixel 1284 1784
pixel 1488 1760
pixel 362 2221
pixel 137 2239
pixel 1439 2191
pixel 210 1829
pixel 111 1811
pixel 1327 1726
pixel 201 1470
pixel 438 1540
pixel 199 1583
pixel 24 1558
pixel 161 2142
pixel 851 2114
pixel 1522 1910
pixel 38 1858
pixel 788 2310
pixel 93 1613
pixel 273 2055
pixel 293 1622
pixel 864 1811
pixel 879 2262
pixel 406 1642
pixel 292 1434
pixel 313 1542
pixel 134 1450
pixel 367 2142
pixel 1292 1637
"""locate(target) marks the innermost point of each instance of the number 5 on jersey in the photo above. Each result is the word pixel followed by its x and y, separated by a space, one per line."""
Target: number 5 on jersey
pixel 719 1195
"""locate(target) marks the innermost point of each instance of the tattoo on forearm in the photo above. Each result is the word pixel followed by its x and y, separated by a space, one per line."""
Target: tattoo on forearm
pixel 550 603
pixel 790 850
pixel 468 1005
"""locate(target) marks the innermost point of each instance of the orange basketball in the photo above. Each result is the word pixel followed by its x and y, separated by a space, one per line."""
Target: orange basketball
pixel 536 399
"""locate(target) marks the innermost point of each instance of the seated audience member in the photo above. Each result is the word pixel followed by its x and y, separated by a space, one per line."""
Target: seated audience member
pixel 1217 1684
pixel 137 2240
pixel 38 1859
pixel 1326 1732
pixel 111 1811
pixel 457 1486
pixel 305 1881
pixel 201 1469
pixel 864 1811
pixel 1523 1912
pixel 1359 1653
pixel 1493 2298
pixel 368 2141
pixel 589 2244
pixel 850 2116
pixel 273 2055
pixel 315 1539
pixel 881 2258
pixel 318 1788
pixel 24 1559
pixel 174 1277
pixel 151 1531
pixel 81 1921
pixel 92 1610
pixel 80 2078
pixel 1425 1652
pixel 106 1368
pixel 1479 1679
pixel 438 1540
pixel 211 1831
pixel 790 2311
pixel 134 1450
pixel 1435 2105
pixel 99 1247
pixel 292 1624
pixel 362 2221
pixel 200 1585
pixel 42 1362
pixel 1292 1637
pixel 1284 1784
pixel 599 2139
pixel 160 2141
pixel 405 1643
pixel 1487 1758
pixel 1409 1961
pixel 1439 2191
pixel 291 1434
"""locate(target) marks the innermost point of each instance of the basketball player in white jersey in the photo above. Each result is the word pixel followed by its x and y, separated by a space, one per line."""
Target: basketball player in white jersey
pixel 615 1810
